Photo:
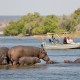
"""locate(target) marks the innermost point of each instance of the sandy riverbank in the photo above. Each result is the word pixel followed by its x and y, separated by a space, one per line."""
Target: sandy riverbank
pixel 73 35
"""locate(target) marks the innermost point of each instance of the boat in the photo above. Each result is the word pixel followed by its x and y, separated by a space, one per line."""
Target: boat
pixel 61 46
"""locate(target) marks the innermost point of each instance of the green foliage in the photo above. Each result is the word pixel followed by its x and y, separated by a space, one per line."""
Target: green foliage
pixel 69 23
pixel 34 23
pixel 50 23
pixel 38 30
pixel 76 16
pixel 11 29
pixel 77 11
pixel 14 28
pixel 24 31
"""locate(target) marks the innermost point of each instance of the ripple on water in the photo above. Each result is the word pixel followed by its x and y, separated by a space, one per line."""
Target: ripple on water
pixel 44 71
pixel 58 71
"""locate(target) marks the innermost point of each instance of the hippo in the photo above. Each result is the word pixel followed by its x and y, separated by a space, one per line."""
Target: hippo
pixel 77 60
pixel 68 61
pixel 29 60
pixel 4 55
pixel 17 52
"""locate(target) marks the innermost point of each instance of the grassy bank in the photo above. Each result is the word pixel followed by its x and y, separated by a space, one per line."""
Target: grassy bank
pixel 73 35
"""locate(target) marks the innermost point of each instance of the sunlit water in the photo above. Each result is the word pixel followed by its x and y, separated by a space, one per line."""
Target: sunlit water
pixel 42 71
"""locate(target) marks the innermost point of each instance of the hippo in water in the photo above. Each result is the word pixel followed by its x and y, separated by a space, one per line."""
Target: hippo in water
pixel 17 52
pixel 77 60
pixel 29 60
pixel 4 55
pixel 68 61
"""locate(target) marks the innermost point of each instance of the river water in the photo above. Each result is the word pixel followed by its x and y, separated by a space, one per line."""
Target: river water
pixel 42 71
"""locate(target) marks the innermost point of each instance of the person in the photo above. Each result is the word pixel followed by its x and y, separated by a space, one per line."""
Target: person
pixel 67 40
pixel 53 40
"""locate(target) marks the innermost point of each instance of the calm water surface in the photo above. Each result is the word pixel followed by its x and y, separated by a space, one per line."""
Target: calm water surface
pixel 42 71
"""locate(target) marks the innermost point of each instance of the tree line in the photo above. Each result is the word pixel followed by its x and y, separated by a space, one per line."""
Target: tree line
pixel 34 23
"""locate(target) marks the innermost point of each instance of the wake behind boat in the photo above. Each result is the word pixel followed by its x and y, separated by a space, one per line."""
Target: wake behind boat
pixel 62 46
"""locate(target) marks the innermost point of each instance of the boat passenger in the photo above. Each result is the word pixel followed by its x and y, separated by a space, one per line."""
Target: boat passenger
pixel 67 40
pixel 53 40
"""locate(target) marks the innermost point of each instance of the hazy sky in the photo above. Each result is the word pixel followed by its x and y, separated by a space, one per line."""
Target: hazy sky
pixel 44 7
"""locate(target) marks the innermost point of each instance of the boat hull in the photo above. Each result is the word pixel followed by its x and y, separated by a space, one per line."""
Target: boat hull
pixel 63 46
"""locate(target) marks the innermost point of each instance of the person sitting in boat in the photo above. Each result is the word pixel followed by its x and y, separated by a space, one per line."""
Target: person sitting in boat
pixel 67 40
pixel 53 40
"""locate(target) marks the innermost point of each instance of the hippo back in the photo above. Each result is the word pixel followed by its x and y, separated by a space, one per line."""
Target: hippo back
pixel 20 51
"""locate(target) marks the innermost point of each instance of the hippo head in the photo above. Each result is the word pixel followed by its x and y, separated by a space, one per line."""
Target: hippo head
pixel 3 60
pixel 43 55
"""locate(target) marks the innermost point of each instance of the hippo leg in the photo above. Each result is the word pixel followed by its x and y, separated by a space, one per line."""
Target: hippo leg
pixel 15 62
pixel 4 62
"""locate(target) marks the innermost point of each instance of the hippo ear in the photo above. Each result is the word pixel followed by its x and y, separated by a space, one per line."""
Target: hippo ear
pixel 42 49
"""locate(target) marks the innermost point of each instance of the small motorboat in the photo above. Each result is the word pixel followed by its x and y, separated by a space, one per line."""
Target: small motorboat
pixel 61 46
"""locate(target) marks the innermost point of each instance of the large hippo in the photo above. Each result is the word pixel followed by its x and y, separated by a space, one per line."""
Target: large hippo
pixel 29 60
pixel 17 52
pixel 4 55
pixel 77 60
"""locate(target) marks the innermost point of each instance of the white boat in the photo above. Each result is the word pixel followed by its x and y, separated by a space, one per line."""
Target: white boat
pixel 62 46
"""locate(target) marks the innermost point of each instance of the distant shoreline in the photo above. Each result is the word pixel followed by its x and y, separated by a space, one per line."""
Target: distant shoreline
pixel 73 35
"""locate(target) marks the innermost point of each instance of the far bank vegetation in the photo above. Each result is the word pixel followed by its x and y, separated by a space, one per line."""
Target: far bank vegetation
pixel 36 24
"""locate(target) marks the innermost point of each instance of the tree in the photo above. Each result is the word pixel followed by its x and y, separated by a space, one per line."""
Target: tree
pixel 51 22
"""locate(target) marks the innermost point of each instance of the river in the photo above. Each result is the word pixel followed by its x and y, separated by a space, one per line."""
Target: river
pixel 42 71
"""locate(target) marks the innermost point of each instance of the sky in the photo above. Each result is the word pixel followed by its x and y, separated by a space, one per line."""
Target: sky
pixel 44 7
